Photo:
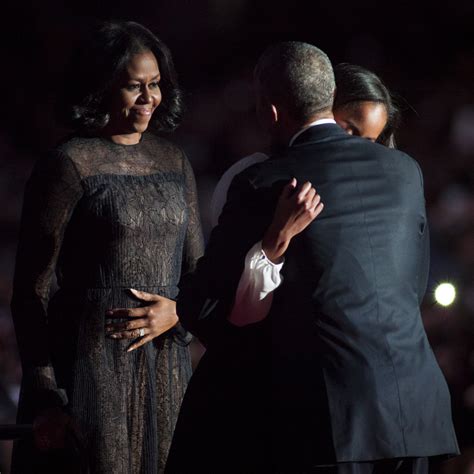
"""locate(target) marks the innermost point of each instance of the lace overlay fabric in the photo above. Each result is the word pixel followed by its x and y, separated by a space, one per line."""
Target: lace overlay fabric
pixel 105 217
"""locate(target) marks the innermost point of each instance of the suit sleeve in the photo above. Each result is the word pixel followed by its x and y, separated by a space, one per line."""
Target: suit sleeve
pixel 424 265
pixel 207 294
pixel 424 268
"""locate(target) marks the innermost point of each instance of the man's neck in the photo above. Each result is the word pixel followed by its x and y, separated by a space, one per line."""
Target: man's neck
pixel 311 120
pixel 287 128
pixel 297 128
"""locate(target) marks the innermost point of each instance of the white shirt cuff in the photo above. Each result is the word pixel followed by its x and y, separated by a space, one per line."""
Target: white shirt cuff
pixel 260 276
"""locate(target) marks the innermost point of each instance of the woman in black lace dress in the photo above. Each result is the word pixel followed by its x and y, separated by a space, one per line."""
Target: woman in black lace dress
pixel 113 208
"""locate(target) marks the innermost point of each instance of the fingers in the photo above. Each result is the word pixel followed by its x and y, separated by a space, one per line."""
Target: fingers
pixel 140 343
pixel 125 325
pixel 127 312
pixel 288 189
pixel 308 199
pixel 316 199
pixel 134 334
pixel 317 210
pixel 305 188
pixel 311 210
pixel 308 202
pixel 142 295
pixel 157 300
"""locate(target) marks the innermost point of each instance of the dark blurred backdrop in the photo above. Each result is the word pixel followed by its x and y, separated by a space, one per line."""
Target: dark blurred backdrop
pixel 424 52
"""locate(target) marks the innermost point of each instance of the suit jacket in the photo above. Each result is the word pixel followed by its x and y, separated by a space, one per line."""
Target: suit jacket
pixel 341 370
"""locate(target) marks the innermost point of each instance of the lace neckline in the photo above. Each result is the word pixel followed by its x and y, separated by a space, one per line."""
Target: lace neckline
pixel 123 145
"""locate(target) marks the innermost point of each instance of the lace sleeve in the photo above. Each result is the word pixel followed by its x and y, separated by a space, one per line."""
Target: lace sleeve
pixel 50 196
pixel 194 242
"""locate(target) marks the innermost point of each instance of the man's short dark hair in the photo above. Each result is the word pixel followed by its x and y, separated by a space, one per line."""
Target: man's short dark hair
pixel 297 76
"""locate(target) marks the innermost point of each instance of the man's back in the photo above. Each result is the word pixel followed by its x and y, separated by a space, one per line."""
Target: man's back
pixel 354 378
pixel 341 369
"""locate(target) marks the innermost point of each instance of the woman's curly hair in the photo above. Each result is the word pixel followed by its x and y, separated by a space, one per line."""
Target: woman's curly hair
pixel 97 63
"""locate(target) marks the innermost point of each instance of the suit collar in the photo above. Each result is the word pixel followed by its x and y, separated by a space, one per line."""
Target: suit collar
pixel 318 132
pixel 312 124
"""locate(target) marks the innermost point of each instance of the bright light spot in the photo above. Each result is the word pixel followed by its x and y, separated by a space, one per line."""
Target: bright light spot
pixel 445 294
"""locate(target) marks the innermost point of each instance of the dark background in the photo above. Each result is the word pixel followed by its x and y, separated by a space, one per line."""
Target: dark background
pixel 424 52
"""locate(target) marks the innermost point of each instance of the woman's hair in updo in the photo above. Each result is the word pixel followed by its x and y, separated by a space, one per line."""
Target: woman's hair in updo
pixel 356 84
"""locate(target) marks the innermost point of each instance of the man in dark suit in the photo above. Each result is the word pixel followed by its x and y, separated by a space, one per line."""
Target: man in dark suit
pixel 339 377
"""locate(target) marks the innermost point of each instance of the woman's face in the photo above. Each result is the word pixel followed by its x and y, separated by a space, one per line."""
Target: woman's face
pixel 136 95
pixel 362 119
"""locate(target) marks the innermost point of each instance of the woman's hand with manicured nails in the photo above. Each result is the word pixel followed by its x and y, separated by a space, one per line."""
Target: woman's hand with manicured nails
pixel 295 210
pixel 144 323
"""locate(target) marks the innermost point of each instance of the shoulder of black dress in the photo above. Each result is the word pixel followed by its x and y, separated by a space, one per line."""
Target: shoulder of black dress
pixel 167 147
pixel 74 144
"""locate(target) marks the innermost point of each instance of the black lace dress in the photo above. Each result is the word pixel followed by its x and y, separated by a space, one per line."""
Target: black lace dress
pixel 104 217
